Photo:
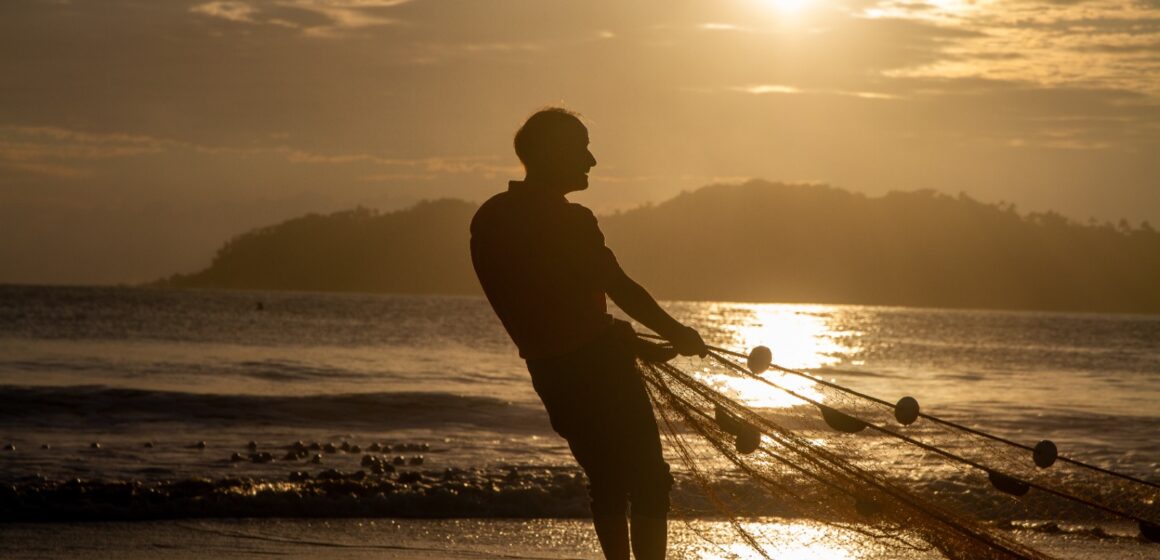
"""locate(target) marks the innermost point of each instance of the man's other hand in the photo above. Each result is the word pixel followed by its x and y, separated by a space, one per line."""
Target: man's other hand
pixel 688 342
pixel 654 353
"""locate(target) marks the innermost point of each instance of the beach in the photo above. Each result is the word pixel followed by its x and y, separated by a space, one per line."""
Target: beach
pixel 470 539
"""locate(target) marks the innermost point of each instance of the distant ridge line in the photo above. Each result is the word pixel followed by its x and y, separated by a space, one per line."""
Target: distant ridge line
pixel 756 241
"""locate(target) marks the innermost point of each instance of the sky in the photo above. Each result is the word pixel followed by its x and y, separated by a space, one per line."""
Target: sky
pixel 136 136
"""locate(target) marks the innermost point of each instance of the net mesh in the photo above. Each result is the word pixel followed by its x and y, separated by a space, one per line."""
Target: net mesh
pixel 826 453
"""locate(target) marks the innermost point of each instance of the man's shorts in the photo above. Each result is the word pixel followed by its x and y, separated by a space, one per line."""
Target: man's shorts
pixel 596 400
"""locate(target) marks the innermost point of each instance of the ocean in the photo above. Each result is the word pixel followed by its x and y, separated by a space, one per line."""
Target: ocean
pixel 108 394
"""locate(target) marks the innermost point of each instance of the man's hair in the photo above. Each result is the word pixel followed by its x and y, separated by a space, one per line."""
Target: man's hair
pixel 541 131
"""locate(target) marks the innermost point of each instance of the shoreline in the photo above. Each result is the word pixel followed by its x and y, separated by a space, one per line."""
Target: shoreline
pixel 473 538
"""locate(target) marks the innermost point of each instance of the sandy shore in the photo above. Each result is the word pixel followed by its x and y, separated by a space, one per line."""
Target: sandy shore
pixel 470 539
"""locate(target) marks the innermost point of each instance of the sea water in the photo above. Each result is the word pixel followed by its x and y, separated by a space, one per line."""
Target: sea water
pixel 149 385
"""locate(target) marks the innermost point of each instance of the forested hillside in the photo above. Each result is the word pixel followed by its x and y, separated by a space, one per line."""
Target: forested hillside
pixel 766 242
pixel 423 249
pixel 757 241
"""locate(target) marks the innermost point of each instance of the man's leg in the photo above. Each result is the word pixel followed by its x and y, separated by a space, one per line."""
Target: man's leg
pixel 608 493
pixel 649 537
pixel 612 531
pixel 598 403
pixel 649 478
pixel 650 509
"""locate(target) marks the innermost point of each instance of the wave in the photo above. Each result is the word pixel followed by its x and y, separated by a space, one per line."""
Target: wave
pixel 106 406
pixel 269 370
pixel 501 491
pixel 827 371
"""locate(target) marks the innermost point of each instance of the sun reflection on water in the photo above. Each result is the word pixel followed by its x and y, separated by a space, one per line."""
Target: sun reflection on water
pixel 786 540
pixel 754 393
pixel 801 337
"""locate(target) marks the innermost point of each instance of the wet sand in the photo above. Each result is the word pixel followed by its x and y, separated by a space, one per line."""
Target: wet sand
pixel 457 539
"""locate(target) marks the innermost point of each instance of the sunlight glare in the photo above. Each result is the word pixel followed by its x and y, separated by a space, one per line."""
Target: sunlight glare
pixel 798 335
pixel 787 540
pixel 800 338
pixel 754 393
pixel 785 6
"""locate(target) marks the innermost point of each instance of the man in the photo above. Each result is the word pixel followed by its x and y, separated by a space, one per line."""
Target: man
pixel 545 269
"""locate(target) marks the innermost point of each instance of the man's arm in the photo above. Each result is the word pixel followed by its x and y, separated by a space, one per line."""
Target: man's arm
pixel 633 299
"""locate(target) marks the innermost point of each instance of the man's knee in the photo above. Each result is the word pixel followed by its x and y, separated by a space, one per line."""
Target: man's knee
pixel 650 493
pixel 608 500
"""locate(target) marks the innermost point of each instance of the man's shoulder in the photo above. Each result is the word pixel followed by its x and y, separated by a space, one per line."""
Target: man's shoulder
pixel 581 215
pixel 580 210
pixel 496 208
pixel 497 202
pixel 506 209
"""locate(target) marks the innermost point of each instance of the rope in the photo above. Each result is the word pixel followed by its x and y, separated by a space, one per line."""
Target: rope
pixel 744 371
pixel 815 460
pixel 932 418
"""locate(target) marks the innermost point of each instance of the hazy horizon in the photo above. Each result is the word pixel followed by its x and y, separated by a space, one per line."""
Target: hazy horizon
pixel 619 218
pixel 136 137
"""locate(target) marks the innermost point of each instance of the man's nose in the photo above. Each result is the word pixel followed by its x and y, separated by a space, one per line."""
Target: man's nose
pixel 591 160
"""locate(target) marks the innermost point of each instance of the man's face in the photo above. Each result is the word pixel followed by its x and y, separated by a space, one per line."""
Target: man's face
pixel 570 159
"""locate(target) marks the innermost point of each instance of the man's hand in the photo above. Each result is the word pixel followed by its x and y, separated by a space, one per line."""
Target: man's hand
pixel 654 353
pixel 687 341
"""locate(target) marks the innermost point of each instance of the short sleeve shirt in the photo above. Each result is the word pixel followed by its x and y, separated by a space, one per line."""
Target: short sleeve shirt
pixel 544 267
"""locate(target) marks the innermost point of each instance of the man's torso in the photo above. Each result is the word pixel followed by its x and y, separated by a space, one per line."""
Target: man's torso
pixel 543 265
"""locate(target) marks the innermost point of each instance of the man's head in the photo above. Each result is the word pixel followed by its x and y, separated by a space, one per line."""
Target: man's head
pixel 553 146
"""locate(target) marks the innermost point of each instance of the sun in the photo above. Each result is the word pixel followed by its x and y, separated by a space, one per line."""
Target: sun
pixel 785 6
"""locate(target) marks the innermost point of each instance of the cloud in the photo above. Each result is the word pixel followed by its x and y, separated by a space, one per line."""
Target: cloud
pixel 500 47
pixel 482 165
pixel 762 89
pixel 1124 45
pixel 766 88
pixel 338 17
pixel 62 153
pixel 715 26
pixel 1058 139
pixel 1090 43
pixel 45 169
pixel 230 11
pixel 59 152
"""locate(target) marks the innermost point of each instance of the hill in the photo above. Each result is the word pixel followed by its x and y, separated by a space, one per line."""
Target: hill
pixel 756 241
pixel 423 249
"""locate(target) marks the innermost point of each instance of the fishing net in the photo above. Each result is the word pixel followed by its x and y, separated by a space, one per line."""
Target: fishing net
pixel 886 471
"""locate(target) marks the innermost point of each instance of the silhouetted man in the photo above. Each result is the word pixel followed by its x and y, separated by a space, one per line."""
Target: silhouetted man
pixel 546 271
